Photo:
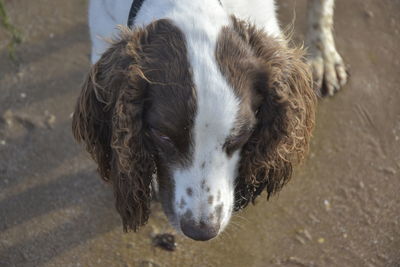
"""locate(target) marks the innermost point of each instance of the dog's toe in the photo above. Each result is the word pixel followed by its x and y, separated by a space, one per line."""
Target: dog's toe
pixel 317 66
pixel 329 73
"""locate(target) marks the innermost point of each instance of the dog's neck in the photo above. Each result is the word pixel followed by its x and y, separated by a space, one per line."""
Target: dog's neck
pixel 137 4
pixel 194 12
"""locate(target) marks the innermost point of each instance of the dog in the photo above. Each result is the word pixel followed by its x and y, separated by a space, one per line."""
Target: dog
pixel 206 96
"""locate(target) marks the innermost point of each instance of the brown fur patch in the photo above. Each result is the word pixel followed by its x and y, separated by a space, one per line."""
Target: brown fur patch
pixel 278 107
pixel 171 106
pixel 242 70
pixel 141 82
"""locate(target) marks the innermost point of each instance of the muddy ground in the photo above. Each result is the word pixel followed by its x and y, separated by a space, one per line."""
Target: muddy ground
pixel 342 208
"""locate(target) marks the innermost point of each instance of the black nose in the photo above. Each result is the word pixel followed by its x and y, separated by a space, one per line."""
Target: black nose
pixel 199 231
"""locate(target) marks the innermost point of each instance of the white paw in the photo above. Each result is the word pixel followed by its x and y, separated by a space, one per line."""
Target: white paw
pixel 329 71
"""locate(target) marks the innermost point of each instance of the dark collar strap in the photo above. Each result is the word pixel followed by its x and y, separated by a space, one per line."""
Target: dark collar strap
pixel 136 4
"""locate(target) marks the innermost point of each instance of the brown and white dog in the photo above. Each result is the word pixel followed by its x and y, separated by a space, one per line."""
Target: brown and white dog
pixel 205 94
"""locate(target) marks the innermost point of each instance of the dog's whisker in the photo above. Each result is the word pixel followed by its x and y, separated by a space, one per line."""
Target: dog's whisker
pixel 241 218
pixel 226 234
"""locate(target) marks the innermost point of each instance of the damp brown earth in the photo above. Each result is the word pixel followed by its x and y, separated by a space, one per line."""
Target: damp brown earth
pixel 342 207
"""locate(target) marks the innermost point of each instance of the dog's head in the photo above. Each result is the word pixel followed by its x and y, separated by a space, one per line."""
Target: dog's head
pixel 216 133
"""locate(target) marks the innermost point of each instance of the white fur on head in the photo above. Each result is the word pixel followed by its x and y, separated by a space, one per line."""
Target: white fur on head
pixel 206 187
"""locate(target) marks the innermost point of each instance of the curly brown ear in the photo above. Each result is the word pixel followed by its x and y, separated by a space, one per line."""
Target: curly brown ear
pixel 285 117
pixel 109 119
pixel 91 122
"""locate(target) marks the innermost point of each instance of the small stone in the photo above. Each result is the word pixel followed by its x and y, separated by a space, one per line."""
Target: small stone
pixel 23 95
pixel 321 240
pixel 344 235
pixel 369 14
pixel 327 205
pixel 297 261
pixel 301 240
pixel 51 35
pixel 148 264
pixel 314 218
pixel 3 142
pixel 304 233
pixel 388 170
pixel 8 117
pixel 50 119
pixel 307 234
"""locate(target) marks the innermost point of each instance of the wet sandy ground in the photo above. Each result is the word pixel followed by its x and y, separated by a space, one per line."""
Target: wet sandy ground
pixel 342 208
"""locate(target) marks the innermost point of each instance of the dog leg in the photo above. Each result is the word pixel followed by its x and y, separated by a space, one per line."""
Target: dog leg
pixel 328 67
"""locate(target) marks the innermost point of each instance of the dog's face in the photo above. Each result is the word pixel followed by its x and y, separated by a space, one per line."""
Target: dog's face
pixel 216 128
pixel 197 125
pixel 197 136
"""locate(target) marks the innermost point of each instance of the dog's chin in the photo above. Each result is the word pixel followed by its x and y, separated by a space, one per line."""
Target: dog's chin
pixel 193 227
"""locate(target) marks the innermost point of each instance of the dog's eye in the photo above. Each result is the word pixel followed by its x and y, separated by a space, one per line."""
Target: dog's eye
pixel 235 142
pixel 161 136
